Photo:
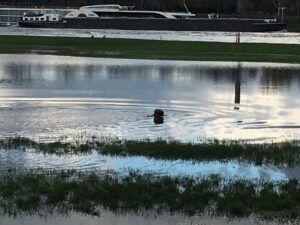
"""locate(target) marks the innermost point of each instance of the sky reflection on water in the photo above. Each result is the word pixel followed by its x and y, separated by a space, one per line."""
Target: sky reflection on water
pixel 30 159
pixel 150 218
pixel 56 96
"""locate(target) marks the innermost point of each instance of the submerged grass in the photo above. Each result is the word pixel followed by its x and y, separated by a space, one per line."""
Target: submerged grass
pixel 285 153
pixel 149 49
pixel 88 192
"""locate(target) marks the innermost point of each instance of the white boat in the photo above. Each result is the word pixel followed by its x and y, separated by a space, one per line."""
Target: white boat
pixel 126 18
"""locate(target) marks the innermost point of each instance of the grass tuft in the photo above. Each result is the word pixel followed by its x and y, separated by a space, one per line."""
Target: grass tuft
pixel 87 192
pixel 285 153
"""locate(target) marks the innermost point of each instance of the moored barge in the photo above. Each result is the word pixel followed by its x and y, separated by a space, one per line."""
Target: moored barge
pixel 126 18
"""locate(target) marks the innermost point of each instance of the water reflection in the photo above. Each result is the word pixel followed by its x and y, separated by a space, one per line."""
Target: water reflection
pixel 149 218
pixel 53 95
pixel 30 159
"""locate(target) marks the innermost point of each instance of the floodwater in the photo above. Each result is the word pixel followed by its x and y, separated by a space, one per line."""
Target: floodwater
pixel 54 96
pixel 266 37
pixel 20 160
pixel 109 218
pixel 43 96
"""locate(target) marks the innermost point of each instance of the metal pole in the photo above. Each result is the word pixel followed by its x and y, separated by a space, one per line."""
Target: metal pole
pixel 282 10
pixel 297 8
pixel 237 87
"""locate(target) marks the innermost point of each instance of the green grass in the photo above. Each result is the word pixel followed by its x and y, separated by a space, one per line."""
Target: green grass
pixel 147 49
pixel 273 153
pixel 285 153
pixel 87 193
pixel 294 26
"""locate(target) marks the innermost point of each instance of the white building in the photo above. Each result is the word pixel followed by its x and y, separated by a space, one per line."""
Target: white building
pixel 11 16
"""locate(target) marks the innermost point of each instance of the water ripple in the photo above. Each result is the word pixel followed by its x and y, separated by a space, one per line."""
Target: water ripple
pixel 30 159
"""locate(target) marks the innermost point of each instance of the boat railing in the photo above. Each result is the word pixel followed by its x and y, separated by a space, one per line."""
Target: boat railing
pixel 107 7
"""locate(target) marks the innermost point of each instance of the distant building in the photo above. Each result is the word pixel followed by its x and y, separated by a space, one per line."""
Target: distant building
pixel 11 15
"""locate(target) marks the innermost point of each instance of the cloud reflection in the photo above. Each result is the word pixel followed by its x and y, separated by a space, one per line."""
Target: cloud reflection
pixel 54 95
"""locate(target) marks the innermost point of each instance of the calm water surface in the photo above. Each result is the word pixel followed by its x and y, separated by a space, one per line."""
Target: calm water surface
pixel 55 96
pixel 109 218
pixel 30 160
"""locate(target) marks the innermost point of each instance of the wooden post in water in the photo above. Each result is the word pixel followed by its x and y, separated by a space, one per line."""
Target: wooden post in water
pixel 237 88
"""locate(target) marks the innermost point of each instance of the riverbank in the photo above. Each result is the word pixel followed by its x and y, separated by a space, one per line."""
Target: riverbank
pixel 149 49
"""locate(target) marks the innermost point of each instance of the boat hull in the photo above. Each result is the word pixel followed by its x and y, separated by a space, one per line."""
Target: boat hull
pixel 243 25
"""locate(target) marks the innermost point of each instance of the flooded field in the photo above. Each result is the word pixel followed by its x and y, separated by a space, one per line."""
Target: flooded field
pixel 266 37
pixel 31 160
pixel 109 218
pixel 53 96
pixel 45 98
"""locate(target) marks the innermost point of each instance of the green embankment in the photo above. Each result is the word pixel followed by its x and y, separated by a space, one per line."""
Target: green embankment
pixel 148 49
pixel 294 26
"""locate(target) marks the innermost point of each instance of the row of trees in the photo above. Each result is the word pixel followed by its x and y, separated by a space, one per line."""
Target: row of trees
pixel 245 7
